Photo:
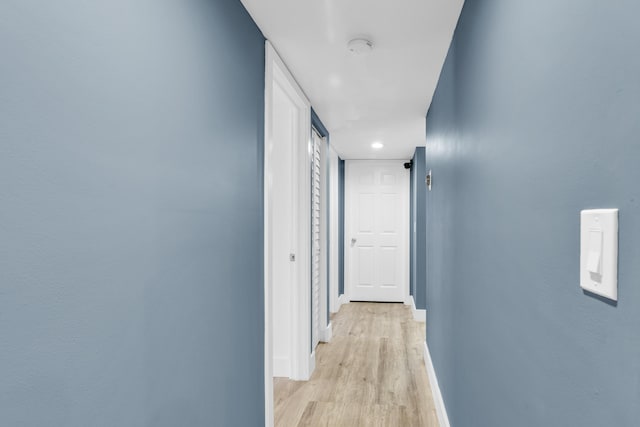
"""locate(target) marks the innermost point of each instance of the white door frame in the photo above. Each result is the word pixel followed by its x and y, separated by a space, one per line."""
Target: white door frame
pixel 348 197
pixel 302 360
pixel 334 219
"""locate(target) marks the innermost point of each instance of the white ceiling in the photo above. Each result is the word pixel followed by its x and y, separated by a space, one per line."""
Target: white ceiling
pixel 383 96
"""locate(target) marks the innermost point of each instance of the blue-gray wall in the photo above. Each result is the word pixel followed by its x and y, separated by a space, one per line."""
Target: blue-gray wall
pixel 341 226
pixel 418 229
pixel 131 214
pixel 535 118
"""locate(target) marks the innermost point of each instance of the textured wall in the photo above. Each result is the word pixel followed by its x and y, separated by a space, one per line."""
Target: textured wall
pixel 535 118
pixel 131 214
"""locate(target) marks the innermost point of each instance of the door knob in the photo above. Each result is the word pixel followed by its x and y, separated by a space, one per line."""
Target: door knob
pixel 353 241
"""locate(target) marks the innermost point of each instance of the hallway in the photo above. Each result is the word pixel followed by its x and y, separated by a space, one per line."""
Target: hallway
pixel 371 374
pixel 189 190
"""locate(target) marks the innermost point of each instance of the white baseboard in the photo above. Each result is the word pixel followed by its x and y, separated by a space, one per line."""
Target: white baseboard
pixel 418 315
pixel 327 333
pixel 334 305
pixel 441 411
pixel 312 363
pixel 342 300
pixel 281 367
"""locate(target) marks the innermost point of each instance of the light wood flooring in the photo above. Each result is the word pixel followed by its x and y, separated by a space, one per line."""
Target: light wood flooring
pixel 372 373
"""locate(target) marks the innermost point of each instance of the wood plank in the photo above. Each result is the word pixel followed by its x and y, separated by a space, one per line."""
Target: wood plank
pixel 371 374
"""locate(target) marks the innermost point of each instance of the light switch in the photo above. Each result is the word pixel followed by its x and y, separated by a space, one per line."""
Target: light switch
pixel 599 252
pixel 595 252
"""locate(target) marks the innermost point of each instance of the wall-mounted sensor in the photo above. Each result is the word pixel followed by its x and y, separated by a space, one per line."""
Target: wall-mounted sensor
pixel 360 46
pixel 599 252
pixel 428 180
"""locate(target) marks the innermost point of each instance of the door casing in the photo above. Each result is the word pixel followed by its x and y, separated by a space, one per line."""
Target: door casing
pixel 334 218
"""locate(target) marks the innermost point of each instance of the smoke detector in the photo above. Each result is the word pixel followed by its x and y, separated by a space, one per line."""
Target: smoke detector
pixel 360 46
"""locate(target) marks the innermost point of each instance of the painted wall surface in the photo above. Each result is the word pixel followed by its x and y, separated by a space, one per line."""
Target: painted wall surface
pixel 419 228
pixel 131 214
pixel 535 118
pixel 341 228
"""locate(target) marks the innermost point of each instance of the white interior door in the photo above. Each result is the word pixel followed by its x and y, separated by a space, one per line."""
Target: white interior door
pixel 377 246
pixel 287 224
pixel 285 136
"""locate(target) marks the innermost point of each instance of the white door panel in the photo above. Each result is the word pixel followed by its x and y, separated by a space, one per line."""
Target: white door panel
pixel 285 122
pixel 377 230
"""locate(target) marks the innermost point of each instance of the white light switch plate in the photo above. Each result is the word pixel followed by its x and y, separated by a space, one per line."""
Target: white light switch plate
pixel 599 252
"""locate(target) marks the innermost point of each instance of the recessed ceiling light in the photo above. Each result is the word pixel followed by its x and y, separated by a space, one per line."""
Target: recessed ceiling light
pixel 360 46
pixel 377 145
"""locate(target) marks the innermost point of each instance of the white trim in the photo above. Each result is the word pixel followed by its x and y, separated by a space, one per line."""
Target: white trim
pixel 406 244
pixel 281 367
pixel 419 315
pixel 301 364
pixel 441 411
pixel 327 333
pixel 312 361
pixel 334 219
pixel 342 299
pixel 268 294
